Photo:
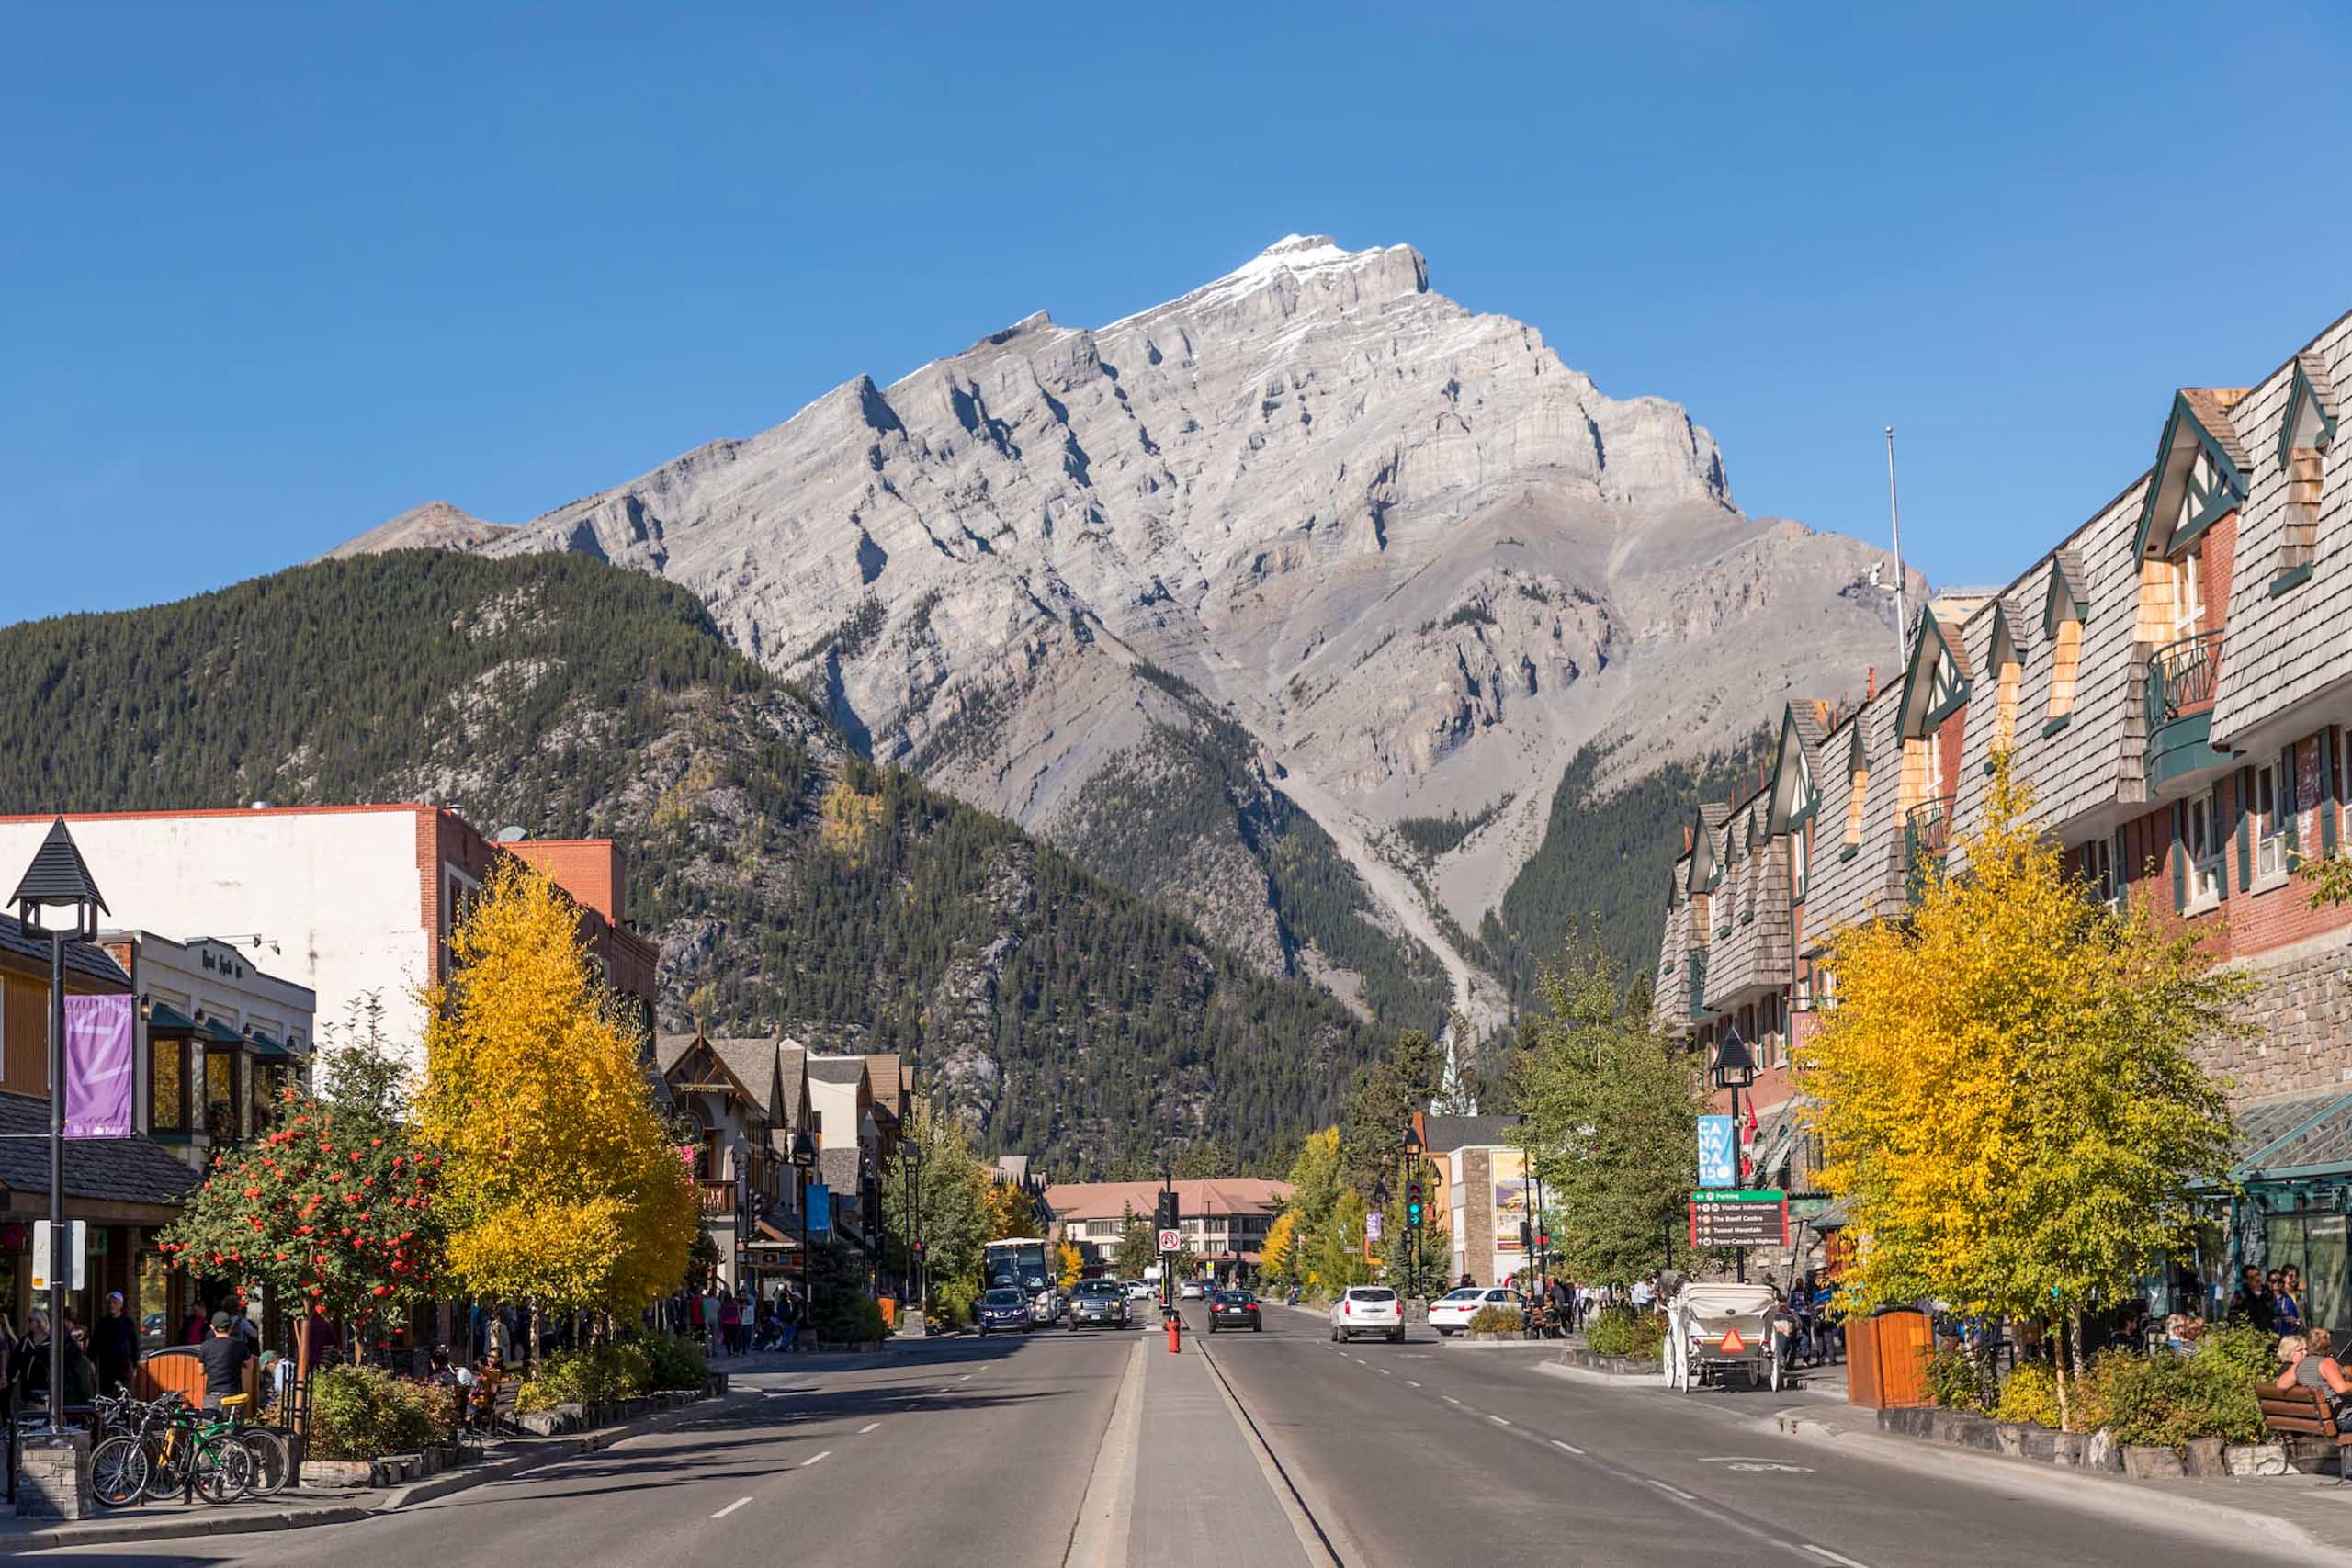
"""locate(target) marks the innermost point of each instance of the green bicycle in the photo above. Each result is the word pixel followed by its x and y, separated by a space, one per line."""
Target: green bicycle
pixel 204 1450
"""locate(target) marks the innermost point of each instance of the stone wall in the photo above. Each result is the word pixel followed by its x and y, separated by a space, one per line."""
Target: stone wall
pixel 2299 1037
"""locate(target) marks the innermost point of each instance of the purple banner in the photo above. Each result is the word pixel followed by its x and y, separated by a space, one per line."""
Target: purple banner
pixel 100 1064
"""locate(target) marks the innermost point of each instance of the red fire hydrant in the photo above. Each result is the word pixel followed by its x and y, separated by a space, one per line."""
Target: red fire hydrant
pixel 1175 1328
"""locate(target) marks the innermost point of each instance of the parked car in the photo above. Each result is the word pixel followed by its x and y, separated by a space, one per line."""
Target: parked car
pixel 1235 1309
pixel 1368 1309
pixel 1191 1291
pixel 1452 1311
pixel 1004 1310
pixel 1100 1303
pixel 1141 1290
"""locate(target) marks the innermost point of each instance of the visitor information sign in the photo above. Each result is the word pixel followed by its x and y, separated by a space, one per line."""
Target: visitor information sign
pixel 1735 1218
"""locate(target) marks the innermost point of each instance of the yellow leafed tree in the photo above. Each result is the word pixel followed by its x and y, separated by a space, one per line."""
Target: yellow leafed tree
pixel 560 1186
pixel 1274 1253
pixel 2005 1089
pixel 1069 1263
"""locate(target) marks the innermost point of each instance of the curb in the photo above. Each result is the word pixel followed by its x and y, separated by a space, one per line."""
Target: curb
pixel 1602 1379
pixel 109 1530
pixel 2107 1491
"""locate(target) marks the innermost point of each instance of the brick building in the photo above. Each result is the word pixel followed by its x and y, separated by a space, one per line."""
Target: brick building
pixel 2174 679
pixel 354 901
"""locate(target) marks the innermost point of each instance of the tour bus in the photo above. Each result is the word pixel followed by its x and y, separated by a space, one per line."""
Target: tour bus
pixel 1021 1261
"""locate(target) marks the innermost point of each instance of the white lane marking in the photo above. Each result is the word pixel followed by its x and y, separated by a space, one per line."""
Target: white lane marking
pixel 965 1378
pixel 1412 1382
pixel 814 1458
pixel 869 1427
pixel 1449 1399
pixel 1568 1447
pixel 1828 1556
pixel 1499 1420
pixel 1676 1492
pixel 730 1507
pixel 1387 1373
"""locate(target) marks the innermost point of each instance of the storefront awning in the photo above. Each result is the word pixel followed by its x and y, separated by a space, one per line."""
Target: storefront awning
pixel 269 1050
pixel 164 1019
pixel 212 1031
pixel 2288 1140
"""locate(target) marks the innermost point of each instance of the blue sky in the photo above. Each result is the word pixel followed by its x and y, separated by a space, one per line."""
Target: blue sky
pixel 275 274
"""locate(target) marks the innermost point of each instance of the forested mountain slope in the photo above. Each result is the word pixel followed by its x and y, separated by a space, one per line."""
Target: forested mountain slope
pixel 790 883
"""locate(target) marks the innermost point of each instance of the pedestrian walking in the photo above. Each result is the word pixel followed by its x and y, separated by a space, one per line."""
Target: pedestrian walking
pixel 115 1346
pixel 224 1356
pixel 731 1324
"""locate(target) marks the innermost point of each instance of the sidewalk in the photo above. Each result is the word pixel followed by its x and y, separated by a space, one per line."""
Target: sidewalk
pixel 303 1507
pixel 2301 1511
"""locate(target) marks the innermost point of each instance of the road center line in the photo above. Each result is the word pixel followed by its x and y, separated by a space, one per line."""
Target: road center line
pixel 1411 1383
pixel 814 1458
pixel 1568 1447
pixel 872 1426
pixel 1499 1420
pixel 1387 1373
pixel 730 1507
pixel 1677 1492
pixel 1449 1399
pixel 1828 1556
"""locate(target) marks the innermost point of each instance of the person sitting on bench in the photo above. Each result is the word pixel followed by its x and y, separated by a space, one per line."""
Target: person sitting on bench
pixel 2311 1364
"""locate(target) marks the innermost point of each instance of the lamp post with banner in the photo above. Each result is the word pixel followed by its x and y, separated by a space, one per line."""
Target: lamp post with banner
pixel 57 880
pixel 1734 1069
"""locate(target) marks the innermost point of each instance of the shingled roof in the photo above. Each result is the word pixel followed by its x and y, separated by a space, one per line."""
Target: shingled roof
pixel 120 1170
pixel 80 956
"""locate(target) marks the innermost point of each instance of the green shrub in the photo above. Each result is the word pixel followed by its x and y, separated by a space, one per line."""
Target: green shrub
pixel 365 1412
pixel 1957 1379
pixel 604 1375
pixel 1622 1331
pixel 2254 1353
pixel 1494 1320
pixel 2164 1401
pixel 676 1362
pixel 2029 1393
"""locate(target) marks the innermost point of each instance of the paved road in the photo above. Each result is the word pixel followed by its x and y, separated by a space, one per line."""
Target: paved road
pixel 957 1451
pixel 1420 1454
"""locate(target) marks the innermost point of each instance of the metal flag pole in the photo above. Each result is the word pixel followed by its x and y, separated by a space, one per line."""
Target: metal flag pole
pixel 1894 520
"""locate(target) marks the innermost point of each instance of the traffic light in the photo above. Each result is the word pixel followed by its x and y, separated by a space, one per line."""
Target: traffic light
pixel 1413 1205
pixel 1166 1211
pixel 1526 1236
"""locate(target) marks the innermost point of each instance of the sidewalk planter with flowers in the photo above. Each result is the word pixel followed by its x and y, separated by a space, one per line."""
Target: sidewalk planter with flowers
pixel 2161 1415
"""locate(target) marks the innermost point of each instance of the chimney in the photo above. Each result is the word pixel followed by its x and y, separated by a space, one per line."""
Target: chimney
pixel 1687 845
pixel 1869 694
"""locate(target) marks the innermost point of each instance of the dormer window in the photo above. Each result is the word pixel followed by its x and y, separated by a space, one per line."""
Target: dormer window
pixel 2186 575
pixel 1944 692
pixel 2305 433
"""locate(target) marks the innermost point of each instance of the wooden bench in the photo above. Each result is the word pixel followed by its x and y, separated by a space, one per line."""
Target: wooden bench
pixel 2301 1420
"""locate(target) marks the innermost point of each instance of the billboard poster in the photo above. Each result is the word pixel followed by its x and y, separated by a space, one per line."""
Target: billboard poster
pixel 820 1207
pixel 1510 1197
pixel 1718 1152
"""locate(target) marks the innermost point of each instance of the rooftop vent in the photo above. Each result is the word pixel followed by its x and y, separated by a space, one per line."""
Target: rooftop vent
pixel 260 806
pixel 511 835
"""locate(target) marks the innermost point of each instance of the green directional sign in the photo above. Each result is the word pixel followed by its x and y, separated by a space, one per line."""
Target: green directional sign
pixel 1739 1217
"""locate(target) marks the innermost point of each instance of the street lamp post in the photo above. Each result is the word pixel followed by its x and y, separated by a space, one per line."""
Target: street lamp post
pixel 1734 1069
pixel 58 879
pixel 804 1156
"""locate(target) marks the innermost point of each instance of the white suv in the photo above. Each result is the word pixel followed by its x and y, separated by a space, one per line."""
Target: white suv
pixel 1368 1309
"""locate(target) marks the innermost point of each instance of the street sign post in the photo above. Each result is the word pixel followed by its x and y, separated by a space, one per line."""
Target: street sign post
pixel 1374 1224
pixel 77 1233
pixel 1736 1218
pixel 1172 1241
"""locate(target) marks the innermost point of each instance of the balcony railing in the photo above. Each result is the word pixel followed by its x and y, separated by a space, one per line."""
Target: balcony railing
pixel 1926 838
pixel 718 1197
pixel 2181 679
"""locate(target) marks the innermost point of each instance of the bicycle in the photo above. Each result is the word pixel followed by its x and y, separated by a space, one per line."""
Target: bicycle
pixel 202 1452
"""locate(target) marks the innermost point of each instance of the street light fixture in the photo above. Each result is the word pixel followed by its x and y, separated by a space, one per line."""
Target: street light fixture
pixel 804 1156
pixel 58 879
pixel 1734 1069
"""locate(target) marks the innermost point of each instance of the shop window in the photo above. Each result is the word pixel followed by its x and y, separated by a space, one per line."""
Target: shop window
pixel 221 1096
pixel 168 1084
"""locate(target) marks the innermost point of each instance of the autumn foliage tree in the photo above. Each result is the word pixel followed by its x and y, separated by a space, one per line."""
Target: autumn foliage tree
pixel 332 1210
pixel 561 1186
pixel 2005 1091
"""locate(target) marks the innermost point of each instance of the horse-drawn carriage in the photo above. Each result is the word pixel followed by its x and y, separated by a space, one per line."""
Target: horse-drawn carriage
pixel 1714 1331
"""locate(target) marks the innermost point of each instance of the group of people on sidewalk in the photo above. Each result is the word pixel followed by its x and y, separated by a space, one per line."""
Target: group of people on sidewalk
pixel 737 1322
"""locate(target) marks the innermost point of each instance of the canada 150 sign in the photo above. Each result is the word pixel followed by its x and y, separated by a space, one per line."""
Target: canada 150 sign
pixel 1718 1157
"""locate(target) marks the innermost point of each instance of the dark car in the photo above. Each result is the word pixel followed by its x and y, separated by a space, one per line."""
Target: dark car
pixel 1004 1310
pixel 1235 1309
pixel 1101 1304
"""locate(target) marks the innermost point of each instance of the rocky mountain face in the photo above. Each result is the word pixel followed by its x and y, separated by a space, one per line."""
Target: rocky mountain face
pixel 1216 595
pixel 435 525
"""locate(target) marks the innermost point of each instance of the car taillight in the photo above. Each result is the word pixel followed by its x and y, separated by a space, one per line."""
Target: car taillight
pixel 1347 1309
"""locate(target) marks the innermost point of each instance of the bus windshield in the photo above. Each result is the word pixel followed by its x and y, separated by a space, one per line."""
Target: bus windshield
pixel 1018 1262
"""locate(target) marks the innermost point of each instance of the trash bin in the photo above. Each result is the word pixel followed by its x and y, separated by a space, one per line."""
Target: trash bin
pixel 1886 1359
